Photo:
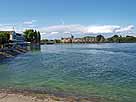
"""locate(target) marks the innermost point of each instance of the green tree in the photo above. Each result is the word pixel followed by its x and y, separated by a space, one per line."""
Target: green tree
pixel 128 39
pixel 57 41
pixel 32 36
pixel 100 38
pixel 39 36
pixel 4 38
pixel 115 39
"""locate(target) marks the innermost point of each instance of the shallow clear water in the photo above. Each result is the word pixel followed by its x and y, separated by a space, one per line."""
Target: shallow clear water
pixel 105 70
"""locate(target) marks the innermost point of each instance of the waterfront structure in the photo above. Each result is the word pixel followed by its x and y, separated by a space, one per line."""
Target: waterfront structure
pixel 84 40
pixel 14 37
pixel 79 40
pixel 19 37
pixel 67 40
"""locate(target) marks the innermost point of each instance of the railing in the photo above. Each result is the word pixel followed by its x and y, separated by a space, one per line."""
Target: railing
pixel 13 47
pixel 6 49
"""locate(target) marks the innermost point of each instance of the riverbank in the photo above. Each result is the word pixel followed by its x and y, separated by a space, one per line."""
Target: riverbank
pixel 9 95
pixel 9 53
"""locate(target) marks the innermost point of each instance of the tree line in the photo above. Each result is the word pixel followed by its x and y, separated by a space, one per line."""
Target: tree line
pixel 121 39
pixel 116 39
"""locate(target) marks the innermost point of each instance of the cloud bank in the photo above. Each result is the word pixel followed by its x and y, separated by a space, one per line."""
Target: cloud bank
pixel 63 30
pixel 6 27
pixel 77 28
pixel 126 29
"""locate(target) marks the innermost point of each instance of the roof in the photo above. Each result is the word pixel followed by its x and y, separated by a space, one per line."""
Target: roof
pixel 8 31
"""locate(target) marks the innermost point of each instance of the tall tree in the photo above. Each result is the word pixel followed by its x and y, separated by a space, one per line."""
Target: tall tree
pixel 116 38
pixel 32 36
pixel 100 38
pixel 4 38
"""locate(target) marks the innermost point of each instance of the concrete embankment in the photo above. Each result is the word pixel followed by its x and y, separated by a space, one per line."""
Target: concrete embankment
pixel 11 52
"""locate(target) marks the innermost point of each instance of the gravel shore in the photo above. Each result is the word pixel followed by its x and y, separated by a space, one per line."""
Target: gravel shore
pixel 4 97
pixel 11 97
pixel 29 96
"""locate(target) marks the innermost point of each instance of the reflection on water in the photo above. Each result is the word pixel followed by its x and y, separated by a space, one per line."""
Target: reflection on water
pixel 34 47
pixel 106 70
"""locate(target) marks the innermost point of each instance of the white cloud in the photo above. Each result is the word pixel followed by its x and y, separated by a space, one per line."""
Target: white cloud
pixel 72 28
pixel 59 31
pixel 66 32
pixel 126 29
pixel 102 29
pixel 6 27
pixel 77 28
pixel 29 22
pixel 54 32
pixel 63 28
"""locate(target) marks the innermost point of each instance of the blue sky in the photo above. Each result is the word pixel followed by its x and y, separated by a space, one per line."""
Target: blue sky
pixel 60 17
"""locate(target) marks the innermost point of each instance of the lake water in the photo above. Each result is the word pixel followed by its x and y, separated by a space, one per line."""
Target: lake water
pixel 105 70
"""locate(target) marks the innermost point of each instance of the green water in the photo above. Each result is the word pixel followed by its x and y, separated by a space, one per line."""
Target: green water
pixel 103 70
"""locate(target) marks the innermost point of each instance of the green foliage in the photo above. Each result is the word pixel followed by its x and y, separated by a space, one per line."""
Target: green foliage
pixel 4 37
pixel 114 38
pixel 32 36
pixel 58 41
pixel 120 39
pixel 44 41
pixel 100 38
pixel 127 39
pixel 89 37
